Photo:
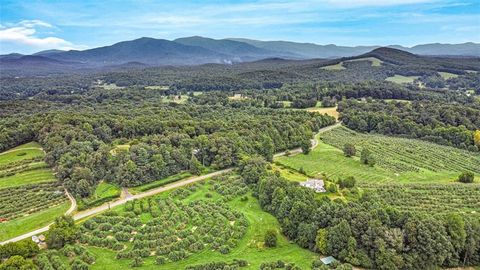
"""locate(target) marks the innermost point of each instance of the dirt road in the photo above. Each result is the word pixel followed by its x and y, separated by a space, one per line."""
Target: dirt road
pixel 104 207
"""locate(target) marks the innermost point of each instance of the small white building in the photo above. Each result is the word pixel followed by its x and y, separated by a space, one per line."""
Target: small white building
pixel 315 184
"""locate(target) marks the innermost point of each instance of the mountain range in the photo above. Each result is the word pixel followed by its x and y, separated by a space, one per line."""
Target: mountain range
pixel 200 50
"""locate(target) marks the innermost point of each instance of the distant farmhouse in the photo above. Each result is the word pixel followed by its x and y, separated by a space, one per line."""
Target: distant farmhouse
pixel 315 184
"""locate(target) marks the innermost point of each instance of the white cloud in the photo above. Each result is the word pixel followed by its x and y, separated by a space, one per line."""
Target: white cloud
pixel 24 33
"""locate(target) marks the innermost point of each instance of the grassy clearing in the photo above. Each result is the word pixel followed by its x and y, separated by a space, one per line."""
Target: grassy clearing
pixel 157 87
pixel 120 148
pixel 398 160
pixel 161 182
pixel 31 222
pixel 250 247
pixel 402 79
pixel 373 60
pixel 27 177
pixel 20 153
pixel 237 97
pixel 179 99
pixel 103 192
pixel 287 104
pixel 338 66
pixel 332 111
pixel 447 75
pixel 289 173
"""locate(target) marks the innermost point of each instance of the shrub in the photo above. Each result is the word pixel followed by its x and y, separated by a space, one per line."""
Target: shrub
pixel 160 260
pixel 366 157
pixel 349 150
pixel 466 177
pixel 137 262
pixel 270 238
pixel 348 182
pixel 79 265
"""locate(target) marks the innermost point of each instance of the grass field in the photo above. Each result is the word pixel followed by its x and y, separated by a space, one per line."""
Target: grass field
pixel 31 222
pixel 398 160
pixel 402 79
pixel 447 75
pixel 21 152
pixel 103 192
pixel 332 111
pixel 373 60
pixel 338 66
pixel 35 172
pixel 250 247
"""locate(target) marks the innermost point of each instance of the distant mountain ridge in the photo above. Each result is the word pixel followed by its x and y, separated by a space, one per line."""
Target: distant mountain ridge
pixel 196 50
pixel 311 50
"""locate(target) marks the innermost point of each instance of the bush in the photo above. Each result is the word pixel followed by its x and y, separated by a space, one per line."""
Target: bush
pixel 348 182
pixel 366 157
pixel 466 177
pixel 349 150
pixel 160 260
pixel 79 265
pixel 270 238
pixel 137 262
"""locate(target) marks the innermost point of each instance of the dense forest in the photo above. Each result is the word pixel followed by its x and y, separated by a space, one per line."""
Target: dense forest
pixel 448 124
pixel 164 138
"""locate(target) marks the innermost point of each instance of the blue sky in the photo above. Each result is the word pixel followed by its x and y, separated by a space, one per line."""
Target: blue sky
pixel 31 26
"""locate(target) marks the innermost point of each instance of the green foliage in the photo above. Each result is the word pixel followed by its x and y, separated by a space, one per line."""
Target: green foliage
pixel 349 150
pixel 321 241
pixel 367 158
pixel 466 177
pixel 24 248
pixel 17 263
pixel 63 231
pixel 439 122
pixel 252 169
pixel 270 238
pixel 137 262
pixel 348 182
pixel 366 233
pixel 401 155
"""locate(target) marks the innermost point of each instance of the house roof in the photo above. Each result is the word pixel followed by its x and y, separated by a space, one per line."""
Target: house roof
pixel 328 260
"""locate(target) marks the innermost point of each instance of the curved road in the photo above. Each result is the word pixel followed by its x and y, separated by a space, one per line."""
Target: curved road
pixel 314 141
pixel 129 197
pixel 104 207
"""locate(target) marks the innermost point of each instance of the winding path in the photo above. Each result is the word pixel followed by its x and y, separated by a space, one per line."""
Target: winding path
pixel 104 207
pixel 314 141
pixel 129 197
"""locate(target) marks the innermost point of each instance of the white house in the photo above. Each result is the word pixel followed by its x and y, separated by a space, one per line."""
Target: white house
pixel 315 184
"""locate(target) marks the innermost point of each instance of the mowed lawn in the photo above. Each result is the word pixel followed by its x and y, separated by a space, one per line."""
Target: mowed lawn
pixel 31 222
pixel 27 177
pixel 250 247
pixel 103 192
pixel 25 151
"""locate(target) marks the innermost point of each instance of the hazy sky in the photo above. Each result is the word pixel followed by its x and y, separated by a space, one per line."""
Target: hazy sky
pixel 30 26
